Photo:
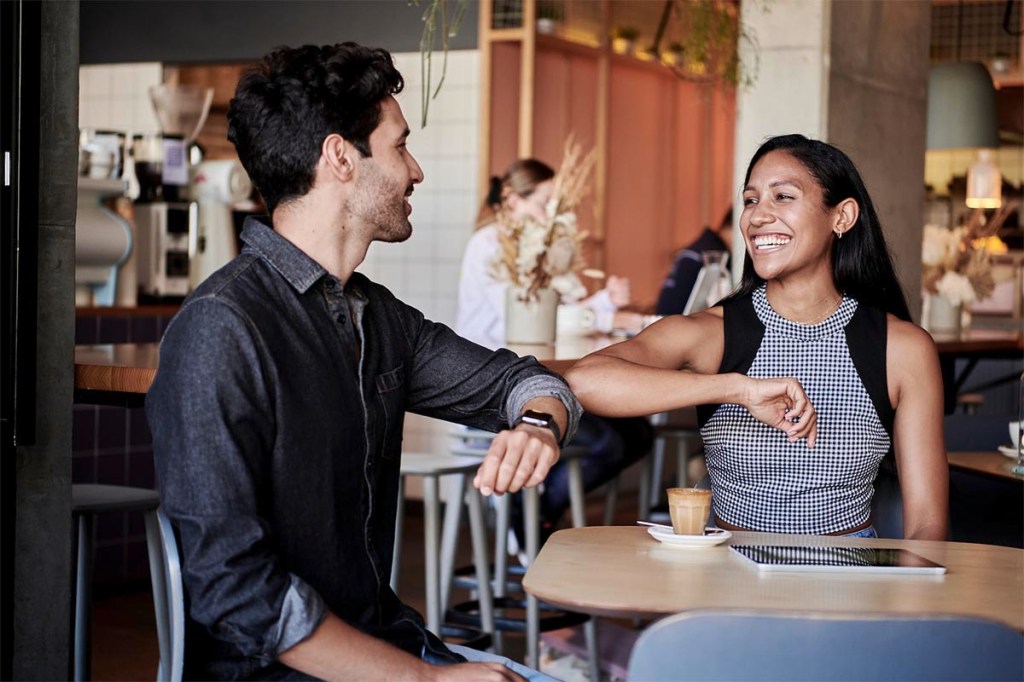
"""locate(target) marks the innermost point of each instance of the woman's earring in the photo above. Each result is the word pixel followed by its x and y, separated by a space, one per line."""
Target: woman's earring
pixel 839 234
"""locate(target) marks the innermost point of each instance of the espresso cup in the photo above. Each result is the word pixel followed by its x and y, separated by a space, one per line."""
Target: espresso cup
pixel 689 509
pixel 575 320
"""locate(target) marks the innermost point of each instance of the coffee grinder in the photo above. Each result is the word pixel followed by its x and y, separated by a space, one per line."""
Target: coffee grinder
pixel 167 221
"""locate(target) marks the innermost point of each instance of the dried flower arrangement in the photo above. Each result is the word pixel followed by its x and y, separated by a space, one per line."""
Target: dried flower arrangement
pixel 533 253
pixel 957 262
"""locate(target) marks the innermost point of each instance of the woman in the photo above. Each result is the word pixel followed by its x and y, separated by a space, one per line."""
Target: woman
pixel 809 374
pixel 524 190
pixel 613 444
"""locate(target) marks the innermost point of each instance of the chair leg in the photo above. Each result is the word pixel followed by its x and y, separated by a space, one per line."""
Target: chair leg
pixel 657 466
pixel 158 578
pixel 83 599
pixel 396 561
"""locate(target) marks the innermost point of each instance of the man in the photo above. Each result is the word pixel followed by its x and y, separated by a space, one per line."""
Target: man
pixel 676 289
pixel 278 406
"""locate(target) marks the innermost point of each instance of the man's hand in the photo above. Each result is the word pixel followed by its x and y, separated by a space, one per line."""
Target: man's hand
pixel 783 404
pixel 472 672
pixel 518 458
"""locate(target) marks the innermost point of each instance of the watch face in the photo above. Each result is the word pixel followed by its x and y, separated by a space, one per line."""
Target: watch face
pixel 536 418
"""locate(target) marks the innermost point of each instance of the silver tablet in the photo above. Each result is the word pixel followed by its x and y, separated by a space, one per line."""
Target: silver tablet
pixel 857 559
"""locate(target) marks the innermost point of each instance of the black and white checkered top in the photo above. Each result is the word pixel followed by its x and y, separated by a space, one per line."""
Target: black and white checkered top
pixel 763 482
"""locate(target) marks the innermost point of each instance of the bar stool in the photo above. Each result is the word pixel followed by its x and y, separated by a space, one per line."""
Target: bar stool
pixel 431 467
pixel 681 427
pixel 555 619
pixel 88 500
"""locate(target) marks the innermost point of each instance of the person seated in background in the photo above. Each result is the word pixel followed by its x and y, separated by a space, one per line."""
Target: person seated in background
pixel 809 374
pixel 676 289
pixel 278 407
pixel 613 444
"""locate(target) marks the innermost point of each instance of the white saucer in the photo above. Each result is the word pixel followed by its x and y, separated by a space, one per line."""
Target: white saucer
pixel 713 536
pixel 1009 451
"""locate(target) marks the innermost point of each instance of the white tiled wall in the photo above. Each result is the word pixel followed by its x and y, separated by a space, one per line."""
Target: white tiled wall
pixel 116 96
pixel 424 271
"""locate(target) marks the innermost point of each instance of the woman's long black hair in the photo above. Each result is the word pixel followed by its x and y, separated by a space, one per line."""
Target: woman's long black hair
pixel 861 265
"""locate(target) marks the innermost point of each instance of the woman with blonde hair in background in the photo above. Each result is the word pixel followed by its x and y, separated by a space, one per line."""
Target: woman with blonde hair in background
pixel 613 443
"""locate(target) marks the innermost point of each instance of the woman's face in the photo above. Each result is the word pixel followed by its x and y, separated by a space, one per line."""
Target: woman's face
pixel 785 224
pixel 533 204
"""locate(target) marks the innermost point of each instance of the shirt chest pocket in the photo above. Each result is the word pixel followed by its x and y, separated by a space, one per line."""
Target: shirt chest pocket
pixel 391 402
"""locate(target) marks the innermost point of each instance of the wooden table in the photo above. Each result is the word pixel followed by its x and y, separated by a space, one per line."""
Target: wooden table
pixel 973 345
pixel 124 371
pixel 622 571
pixel 989 463
pixel 118 373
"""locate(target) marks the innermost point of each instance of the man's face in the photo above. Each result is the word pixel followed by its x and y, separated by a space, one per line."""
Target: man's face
pixel 385 179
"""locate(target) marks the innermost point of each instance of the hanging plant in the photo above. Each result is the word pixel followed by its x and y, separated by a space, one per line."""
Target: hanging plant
pixel 439 24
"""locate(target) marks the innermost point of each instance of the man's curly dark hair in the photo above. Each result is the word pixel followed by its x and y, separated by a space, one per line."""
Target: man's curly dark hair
pixel 284 108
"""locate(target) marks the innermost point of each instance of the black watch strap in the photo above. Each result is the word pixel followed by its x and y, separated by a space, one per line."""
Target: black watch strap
pixel 542 419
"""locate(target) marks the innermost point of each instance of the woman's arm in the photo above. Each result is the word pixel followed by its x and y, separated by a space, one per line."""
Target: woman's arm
pixel 915 389
pixel 672 364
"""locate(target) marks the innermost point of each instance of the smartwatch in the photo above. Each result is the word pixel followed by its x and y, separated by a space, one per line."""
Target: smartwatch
pixel 542 419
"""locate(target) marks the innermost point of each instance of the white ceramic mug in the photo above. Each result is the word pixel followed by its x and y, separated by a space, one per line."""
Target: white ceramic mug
pixel 575 320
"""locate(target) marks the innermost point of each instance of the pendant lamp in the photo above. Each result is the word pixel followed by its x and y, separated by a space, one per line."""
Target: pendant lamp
pixel 962 115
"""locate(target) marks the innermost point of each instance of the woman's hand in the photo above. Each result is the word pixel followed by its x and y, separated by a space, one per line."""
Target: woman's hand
pixel 618 290
pixel 783 404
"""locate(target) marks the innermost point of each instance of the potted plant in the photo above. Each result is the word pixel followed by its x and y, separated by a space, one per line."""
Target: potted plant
pixel 673 54
pixel 549 16
pixel 624 39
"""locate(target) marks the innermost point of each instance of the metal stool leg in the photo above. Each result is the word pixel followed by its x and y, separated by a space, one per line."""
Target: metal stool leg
pixel 644 492
pixel 431 506
pixel 611 500
pixel 450 533
pixel 479 534
pixel 590 633
pixel 83 599
pixel 531 504
pixel 576 494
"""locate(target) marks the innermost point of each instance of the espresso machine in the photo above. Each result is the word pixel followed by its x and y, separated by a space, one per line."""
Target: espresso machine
pixel 166 219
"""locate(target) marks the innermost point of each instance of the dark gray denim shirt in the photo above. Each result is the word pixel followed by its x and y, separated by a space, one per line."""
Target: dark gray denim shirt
pixel 277 415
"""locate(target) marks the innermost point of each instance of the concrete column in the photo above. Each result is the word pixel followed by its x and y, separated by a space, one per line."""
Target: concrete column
pixel 853 74
pixel 42 563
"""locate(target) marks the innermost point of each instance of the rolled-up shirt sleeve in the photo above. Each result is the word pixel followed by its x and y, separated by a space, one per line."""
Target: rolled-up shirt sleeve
pixel 457 380
pixel 210 411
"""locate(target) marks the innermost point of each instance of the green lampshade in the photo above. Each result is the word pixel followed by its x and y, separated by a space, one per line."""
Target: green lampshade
pixel 961 107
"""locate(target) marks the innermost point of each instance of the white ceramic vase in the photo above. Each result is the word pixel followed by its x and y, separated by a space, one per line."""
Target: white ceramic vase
pixel 941 316
pixel 530 322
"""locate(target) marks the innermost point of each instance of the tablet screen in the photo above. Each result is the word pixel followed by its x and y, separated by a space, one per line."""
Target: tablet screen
pixel 871 559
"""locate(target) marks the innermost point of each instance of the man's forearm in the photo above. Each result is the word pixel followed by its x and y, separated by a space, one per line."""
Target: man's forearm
pixel 338 651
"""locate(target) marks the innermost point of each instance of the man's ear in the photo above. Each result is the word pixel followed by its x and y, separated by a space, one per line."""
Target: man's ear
pixel 338 157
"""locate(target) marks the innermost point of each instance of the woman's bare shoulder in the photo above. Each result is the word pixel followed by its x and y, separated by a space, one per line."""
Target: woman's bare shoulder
pixel 907 337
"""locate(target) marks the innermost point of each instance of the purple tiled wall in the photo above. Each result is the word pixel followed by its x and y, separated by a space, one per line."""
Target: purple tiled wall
pixel 113 446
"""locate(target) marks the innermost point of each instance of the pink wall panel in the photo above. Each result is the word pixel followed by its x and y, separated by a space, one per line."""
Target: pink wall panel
pixel 639 177
pixel 504 106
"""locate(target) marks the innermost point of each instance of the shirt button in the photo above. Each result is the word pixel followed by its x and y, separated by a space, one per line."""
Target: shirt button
pixel 341 319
